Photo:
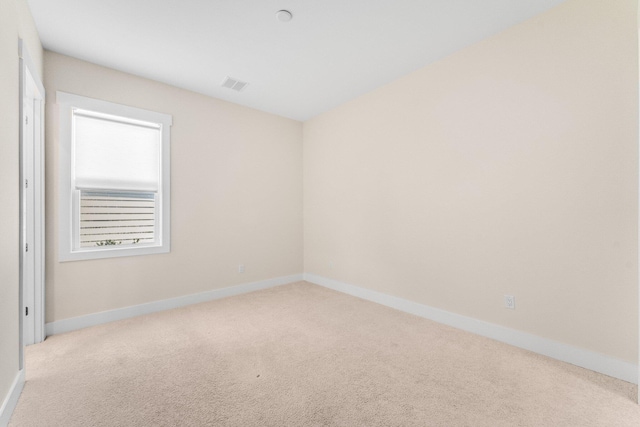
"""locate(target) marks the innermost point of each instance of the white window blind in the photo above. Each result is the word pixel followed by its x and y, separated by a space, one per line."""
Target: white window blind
pixel 113 153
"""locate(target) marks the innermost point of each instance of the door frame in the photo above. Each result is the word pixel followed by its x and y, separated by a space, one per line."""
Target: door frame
pixel 31 87
pixel 637 4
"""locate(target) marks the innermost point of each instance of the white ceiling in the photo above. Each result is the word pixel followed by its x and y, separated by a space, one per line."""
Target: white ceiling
pixel 331 52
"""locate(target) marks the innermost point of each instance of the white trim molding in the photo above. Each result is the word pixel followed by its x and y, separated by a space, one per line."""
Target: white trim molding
pixel 11 400
pixel 75 323
pixel 556 350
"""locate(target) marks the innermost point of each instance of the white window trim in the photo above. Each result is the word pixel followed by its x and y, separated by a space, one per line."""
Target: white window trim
pixel 66 252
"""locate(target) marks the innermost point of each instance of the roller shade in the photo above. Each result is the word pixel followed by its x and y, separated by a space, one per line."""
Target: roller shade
pixel 115 154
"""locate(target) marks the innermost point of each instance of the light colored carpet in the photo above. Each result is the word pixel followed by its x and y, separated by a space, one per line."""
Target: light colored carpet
pixel 302 355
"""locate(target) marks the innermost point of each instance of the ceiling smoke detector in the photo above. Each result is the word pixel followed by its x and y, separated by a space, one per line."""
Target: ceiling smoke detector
pixel 284 16
pixel 234 84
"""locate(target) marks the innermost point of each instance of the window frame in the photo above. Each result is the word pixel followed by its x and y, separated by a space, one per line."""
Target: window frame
pixel 68 217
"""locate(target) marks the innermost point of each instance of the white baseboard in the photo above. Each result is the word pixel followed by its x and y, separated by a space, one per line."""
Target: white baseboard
pixel 75 323
pixel 576 356
pixel 566 353
pixel 11 400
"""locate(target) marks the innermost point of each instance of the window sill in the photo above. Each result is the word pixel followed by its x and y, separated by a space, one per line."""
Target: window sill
pixel 114 252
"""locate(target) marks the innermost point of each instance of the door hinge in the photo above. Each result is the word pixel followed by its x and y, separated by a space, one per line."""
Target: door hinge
pixel 26 247
pixel 26 183
pixel 26 311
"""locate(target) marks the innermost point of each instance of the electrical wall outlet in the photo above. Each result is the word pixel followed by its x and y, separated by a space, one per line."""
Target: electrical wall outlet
pixel 510 302
pixel 240 268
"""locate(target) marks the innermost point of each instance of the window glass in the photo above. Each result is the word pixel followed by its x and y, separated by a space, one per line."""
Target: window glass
pixel 111 219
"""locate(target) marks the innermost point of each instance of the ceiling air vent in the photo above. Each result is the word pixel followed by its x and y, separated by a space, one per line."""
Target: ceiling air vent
pixel 233 84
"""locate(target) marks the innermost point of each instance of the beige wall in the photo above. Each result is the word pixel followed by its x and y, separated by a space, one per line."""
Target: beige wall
pixel 236 192
pixel 510 167
pixel 15 22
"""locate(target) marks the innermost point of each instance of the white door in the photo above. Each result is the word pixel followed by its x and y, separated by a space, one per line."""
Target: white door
pixel 28 223
pixel 31 204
